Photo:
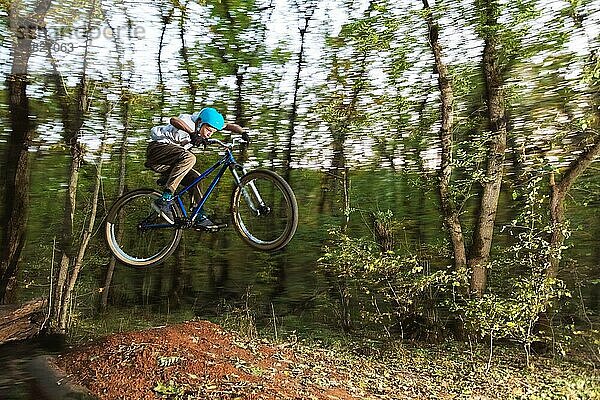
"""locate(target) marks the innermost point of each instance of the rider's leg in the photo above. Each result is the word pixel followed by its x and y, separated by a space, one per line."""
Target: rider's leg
pixel 195 192
pixel 160 157
pixel 179 159
pixel 202 221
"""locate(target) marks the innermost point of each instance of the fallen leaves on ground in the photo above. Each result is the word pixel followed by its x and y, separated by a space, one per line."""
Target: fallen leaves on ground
pixel 201 360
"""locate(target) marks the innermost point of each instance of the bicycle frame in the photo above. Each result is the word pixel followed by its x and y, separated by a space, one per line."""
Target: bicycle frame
pixel 135 213
pixel 226 162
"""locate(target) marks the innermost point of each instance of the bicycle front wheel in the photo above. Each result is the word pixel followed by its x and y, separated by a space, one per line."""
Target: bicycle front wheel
pixel 264 210
pixel 136 234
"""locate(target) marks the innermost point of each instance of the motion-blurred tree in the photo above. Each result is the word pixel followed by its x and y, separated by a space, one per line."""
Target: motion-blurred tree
pixel 16 175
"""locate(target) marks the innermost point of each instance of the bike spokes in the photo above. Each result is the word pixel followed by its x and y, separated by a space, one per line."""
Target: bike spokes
pixel 136 233
pixel 264 210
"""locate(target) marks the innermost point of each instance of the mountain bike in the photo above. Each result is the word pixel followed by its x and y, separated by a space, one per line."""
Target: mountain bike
pixel 264 213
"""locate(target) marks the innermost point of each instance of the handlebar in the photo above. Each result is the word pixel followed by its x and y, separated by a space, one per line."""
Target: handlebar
pixel 234 142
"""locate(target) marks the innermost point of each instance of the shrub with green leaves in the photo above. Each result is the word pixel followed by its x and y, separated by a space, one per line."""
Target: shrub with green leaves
pixel 395 289
pixel 392 289
pixel 521 291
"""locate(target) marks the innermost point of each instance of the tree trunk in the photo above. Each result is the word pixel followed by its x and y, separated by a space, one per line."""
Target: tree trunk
pixel 177 277
pixel 87 235
pixel 120 190
pixel 484 228
pixel 294 109
pixel 329 182
pixel 558 193
pixel 72 121
pixel 186 60
pixel 239 111
pixel 125 101
pixel 72 116
pixel 449 210
pixel 17 170
pixel 16 187
pixel 66 244
pixel 557 216
pixel 166 19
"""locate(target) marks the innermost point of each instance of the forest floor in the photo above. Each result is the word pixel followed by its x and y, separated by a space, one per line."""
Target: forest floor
pixel 201 360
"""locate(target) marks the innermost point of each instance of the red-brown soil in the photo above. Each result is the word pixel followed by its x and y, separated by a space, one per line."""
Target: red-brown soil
pixel 199 360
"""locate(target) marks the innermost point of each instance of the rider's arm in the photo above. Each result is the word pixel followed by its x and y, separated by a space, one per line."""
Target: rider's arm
pixel 180 124
pixel 235 128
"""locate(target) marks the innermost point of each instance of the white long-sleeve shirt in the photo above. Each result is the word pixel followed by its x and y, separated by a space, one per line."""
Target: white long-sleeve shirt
pixel 169 134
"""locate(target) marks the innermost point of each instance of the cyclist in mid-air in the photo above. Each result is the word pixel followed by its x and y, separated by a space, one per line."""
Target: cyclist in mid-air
pixel 169 154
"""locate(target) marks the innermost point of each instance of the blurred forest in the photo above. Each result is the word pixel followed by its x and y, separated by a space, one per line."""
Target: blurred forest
pixel 444 157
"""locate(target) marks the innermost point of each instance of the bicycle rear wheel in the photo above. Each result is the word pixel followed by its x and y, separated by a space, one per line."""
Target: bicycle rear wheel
pixel 264 210
pixel 136 234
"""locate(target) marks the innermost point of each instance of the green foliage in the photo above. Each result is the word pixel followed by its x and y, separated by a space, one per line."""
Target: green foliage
pixel 391 287
pixel 593 70
pixel 513 315
pixel 374 32
pixel 507 24
pixel 512 308
pixel 280 55
pixel 384 287
pixel 469 163
pixel 170 388
pixel 241 317
pixel 236 36
pixel 388 287
pixel 355 49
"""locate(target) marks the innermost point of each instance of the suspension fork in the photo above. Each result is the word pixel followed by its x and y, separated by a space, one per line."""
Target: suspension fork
pixel 259 209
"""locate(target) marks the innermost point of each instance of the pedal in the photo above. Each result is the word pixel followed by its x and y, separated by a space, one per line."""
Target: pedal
pixel 212 229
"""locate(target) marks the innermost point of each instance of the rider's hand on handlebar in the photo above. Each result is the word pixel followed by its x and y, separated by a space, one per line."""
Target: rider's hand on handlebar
pixel 235 128
pixel 198 140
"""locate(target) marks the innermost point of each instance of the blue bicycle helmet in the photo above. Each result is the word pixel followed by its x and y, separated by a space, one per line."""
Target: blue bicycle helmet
pixel 211 117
